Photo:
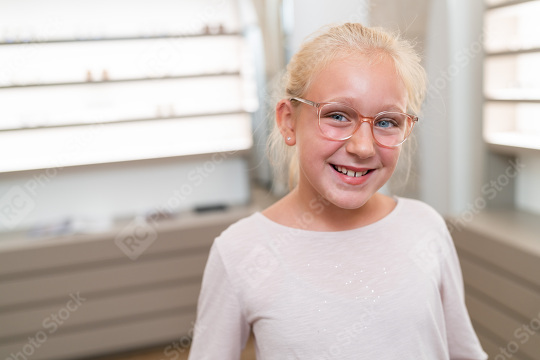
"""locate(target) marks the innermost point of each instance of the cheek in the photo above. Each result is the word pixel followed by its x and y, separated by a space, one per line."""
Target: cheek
pixel 305 130
pixel 311 145
pixel 316 150
pixel 390 157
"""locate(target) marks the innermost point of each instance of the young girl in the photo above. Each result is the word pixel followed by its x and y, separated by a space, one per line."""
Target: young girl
pixel 336 270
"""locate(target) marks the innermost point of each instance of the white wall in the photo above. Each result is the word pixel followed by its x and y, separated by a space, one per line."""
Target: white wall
pixel 311 15
pixel 103 193
pixel 451 145
pixel 528 184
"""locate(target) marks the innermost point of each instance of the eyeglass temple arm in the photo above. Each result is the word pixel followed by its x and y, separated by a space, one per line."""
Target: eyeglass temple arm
pixel 304 101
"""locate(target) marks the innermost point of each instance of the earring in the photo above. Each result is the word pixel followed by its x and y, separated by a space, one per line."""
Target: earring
pixel 288 138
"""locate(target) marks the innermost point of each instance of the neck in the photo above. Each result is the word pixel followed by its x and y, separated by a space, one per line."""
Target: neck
pixel 313 212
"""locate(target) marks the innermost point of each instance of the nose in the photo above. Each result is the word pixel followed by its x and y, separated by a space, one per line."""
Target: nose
pixel 361 142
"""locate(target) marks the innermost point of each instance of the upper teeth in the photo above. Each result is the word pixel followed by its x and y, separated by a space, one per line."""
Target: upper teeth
pixel 351 173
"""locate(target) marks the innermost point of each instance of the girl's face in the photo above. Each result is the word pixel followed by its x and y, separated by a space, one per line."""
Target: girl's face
pixel 368 88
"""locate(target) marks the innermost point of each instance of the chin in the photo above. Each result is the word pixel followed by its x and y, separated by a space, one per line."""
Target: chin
pixel 348 201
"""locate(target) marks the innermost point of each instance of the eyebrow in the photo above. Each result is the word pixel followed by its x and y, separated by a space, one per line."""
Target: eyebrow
pixel 350 101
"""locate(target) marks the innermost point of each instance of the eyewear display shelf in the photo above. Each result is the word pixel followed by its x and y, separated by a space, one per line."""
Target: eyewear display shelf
pixel 511 77
pixel 126 98
pixel 172 80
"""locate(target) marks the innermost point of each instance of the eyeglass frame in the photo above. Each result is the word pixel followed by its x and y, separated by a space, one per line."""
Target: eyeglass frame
pixel 362 119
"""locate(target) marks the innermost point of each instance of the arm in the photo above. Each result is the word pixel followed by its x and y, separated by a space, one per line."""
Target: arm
pixel 221 330
pixel 463 344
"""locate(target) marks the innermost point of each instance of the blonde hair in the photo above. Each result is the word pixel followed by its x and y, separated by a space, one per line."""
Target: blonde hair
pixel 318 51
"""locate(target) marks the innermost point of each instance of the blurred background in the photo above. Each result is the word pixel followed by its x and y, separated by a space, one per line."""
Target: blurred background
pixel 133 132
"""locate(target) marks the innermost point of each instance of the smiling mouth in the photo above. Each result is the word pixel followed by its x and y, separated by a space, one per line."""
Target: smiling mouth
pixel 349 172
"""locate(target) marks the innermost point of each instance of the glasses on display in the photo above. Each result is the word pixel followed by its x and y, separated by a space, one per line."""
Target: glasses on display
pixel 338 121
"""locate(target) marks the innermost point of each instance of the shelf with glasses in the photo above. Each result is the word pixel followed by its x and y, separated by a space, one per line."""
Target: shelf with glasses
pixel 124 38
pixel 513 52
pixel 109 61
pixel 123 101
pixel 511 126
pixel 504 3
pixel 510 121
pixel 511 76
pixel 513 143
pixel 88 144
pixel 239 112
pixel 535 100
pixel 140 112
pixel 194 65
pixel 511 28
pixel 112 81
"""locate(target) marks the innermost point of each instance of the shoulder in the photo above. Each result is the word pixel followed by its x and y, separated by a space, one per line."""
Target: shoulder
pixel 243 228
pixel 426 238
pixel 246 250
pixel 241 236
pixel 420 223
pixel 418 211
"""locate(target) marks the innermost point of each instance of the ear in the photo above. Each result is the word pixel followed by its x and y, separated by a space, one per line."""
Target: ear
pixel 286 121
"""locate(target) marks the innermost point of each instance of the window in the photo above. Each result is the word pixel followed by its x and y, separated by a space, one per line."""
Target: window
pixel 512 75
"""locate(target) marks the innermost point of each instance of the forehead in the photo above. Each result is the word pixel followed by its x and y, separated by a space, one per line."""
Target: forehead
pixel 362 81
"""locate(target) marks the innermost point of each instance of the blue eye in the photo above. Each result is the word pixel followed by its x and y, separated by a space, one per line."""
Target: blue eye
pixel 338 117
pixel 386 123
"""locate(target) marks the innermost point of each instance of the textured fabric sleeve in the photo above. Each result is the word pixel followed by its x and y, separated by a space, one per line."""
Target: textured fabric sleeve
pixel 463 344
pixel 221 330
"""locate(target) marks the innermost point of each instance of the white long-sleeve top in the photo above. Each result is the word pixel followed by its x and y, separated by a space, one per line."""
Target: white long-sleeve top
pixel 390 290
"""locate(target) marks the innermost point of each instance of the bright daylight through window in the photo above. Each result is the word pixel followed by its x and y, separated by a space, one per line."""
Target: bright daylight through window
pixel 512 75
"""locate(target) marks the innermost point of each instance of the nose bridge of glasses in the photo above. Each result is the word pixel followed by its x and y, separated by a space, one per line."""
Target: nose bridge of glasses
pixel 361 119
pixel 358 127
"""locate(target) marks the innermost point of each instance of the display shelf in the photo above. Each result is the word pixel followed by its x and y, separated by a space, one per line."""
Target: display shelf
pixel 511 28
pixel 108 143
pixel 508 99
pixel 239 112
pixel 517 51
pixel 60 19
pixel 511 77
pixel 513 143
pixel 89 84
pixel 70 75
pixel 104 102
pixel 122 38
pixel 497 4
pixel 97 82
pixel 80 62
pixel 126 112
